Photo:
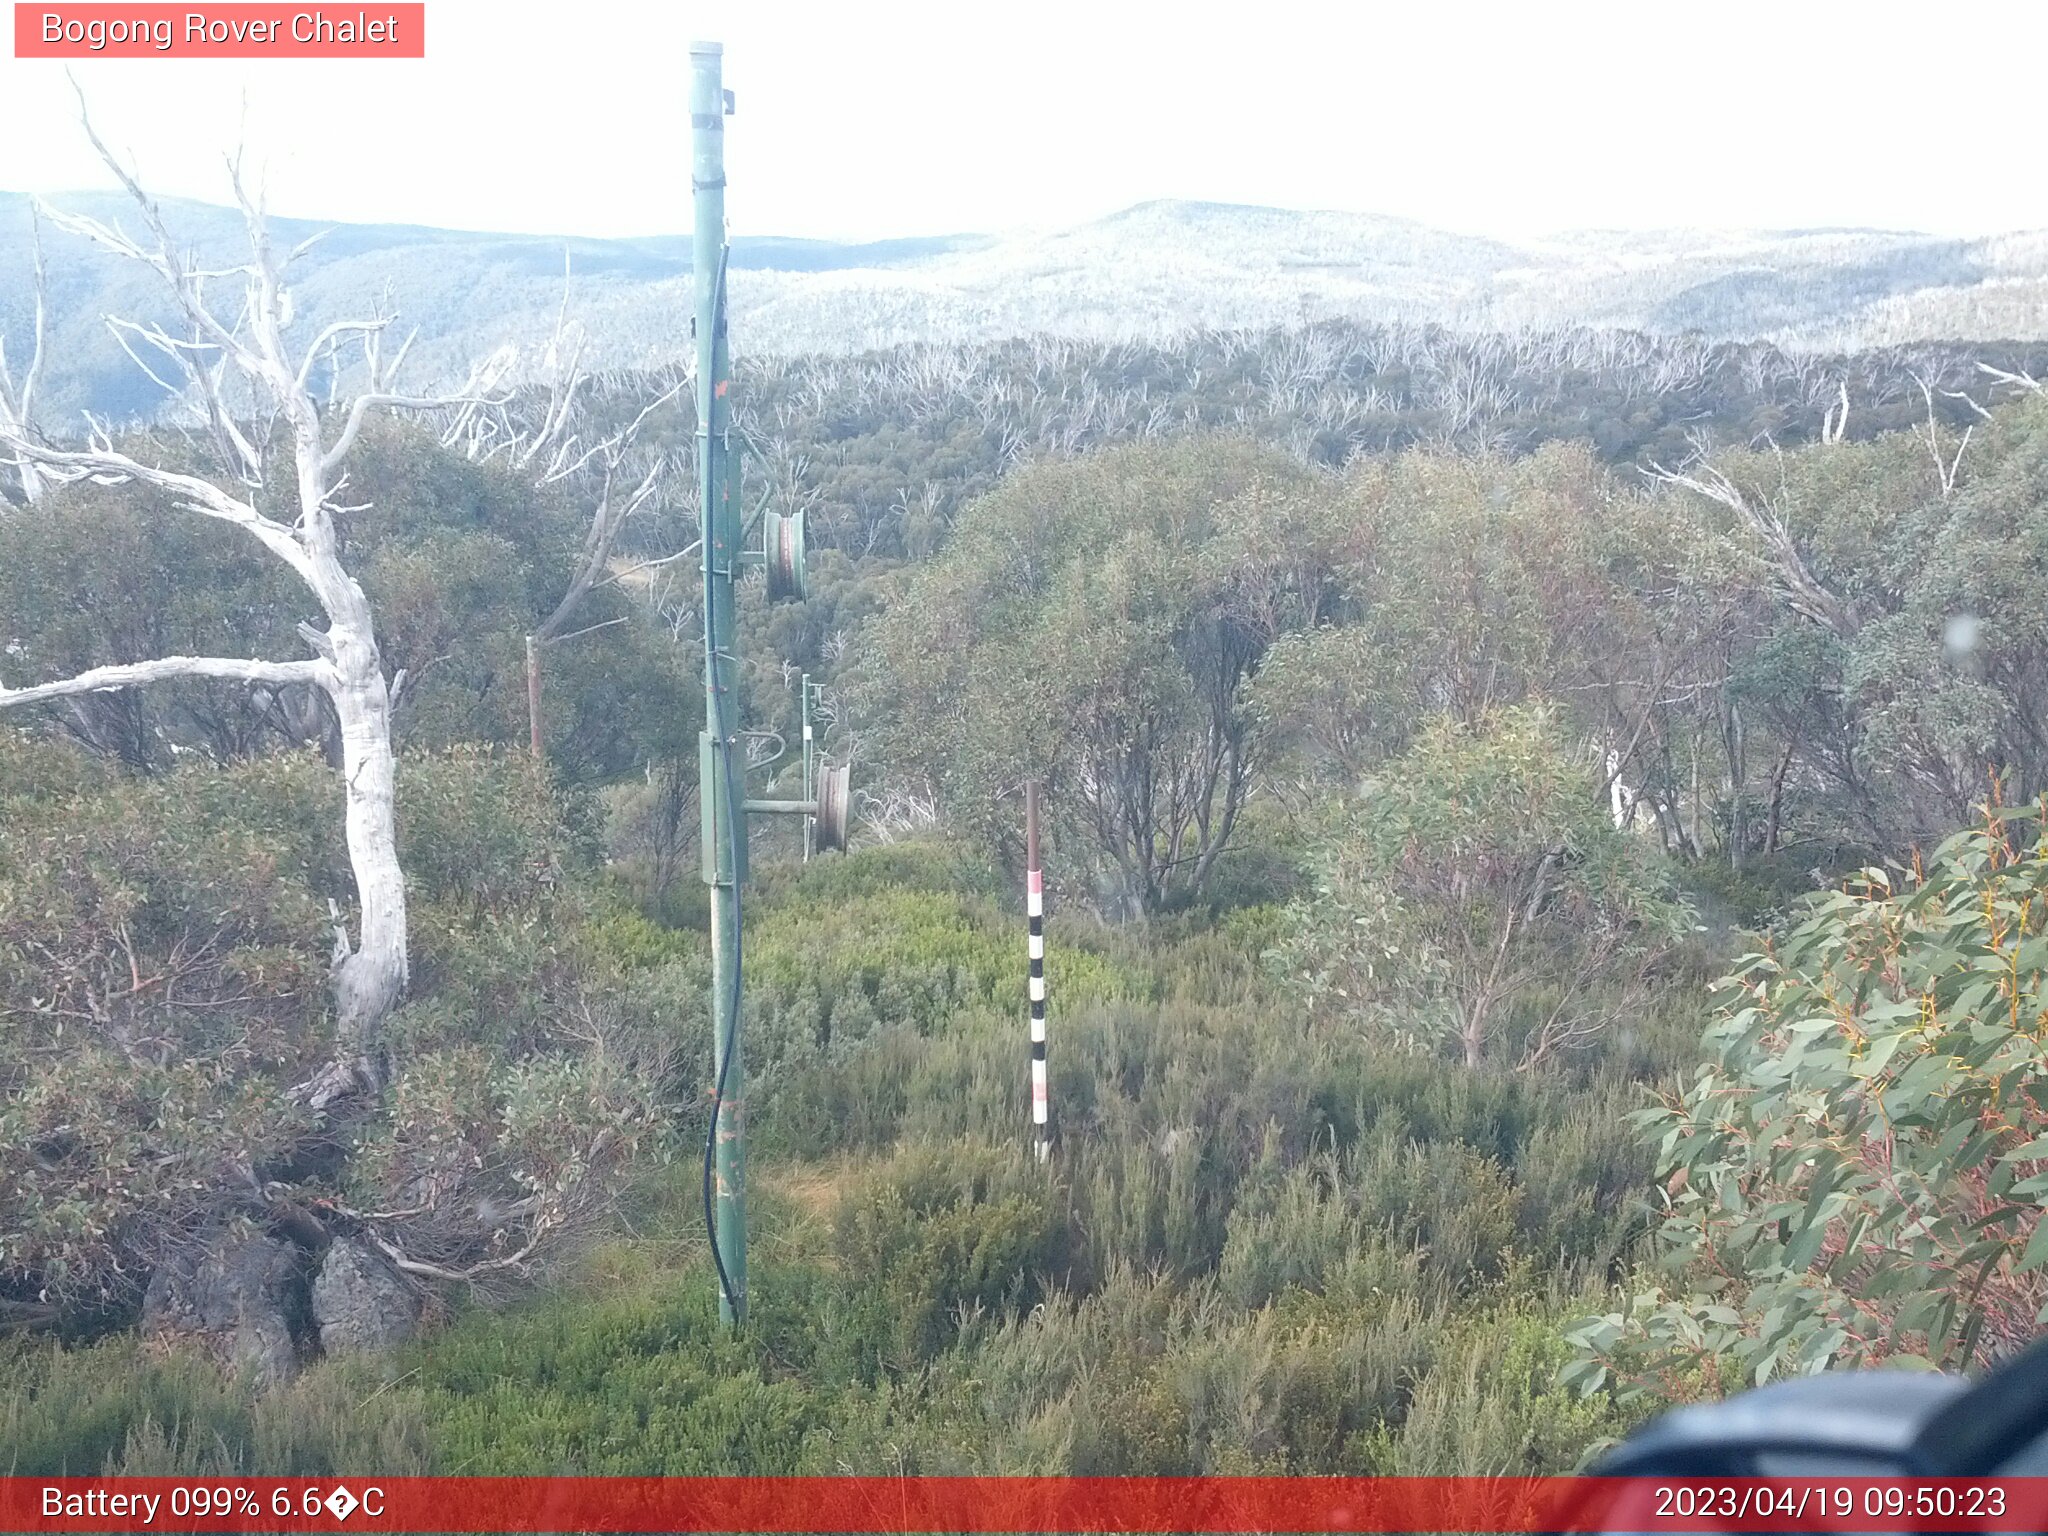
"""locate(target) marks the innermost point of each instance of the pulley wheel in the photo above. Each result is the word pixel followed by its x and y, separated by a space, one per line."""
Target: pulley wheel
pixel 782 553
pixel 835 794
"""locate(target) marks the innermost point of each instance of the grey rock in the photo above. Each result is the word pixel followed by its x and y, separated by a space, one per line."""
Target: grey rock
pixel 360 1303
pixel 242 1294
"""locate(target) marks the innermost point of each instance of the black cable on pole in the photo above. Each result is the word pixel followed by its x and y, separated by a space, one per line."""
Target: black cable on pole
pixel 732 843
pixel 732 1027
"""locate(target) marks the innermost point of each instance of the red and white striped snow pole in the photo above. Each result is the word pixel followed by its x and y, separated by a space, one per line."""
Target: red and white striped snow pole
pixel 1034 908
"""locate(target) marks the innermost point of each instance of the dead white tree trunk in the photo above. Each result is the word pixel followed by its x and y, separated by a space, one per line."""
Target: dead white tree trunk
pixel 613 507
pixel 17 401
pixel 246 384
pixel 549 448
pixel 1945 469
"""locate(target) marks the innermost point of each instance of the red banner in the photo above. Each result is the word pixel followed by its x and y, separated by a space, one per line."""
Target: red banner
pixel 1022 1504
pixel 228 31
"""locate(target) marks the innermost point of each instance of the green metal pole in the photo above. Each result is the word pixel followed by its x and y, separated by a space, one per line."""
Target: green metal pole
pixel 724 823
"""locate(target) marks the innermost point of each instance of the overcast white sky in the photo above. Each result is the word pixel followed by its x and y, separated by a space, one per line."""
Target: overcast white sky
pixel 871 118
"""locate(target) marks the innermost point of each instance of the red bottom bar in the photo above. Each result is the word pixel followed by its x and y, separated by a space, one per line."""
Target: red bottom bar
pixel 1022 1504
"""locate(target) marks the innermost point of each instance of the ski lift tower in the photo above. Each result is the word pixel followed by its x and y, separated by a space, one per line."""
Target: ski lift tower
pixel 722 799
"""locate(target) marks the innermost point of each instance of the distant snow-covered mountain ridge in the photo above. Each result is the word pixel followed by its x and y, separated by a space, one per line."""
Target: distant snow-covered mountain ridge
pixel 1153 270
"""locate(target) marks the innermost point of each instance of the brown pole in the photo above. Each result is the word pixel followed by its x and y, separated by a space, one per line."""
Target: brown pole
pixel 533 695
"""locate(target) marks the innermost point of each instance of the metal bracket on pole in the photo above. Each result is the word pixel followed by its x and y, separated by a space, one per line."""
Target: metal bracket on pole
pixel 824 810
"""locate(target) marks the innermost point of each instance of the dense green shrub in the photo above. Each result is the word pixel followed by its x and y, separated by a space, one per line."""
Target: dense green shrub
pixel 1095 622
pixel 1476 897
pixel 1859 1176
pixel 459 560
pixel 1494 1406
pixel 119 1408
pixel 161 981
pixel 944 1230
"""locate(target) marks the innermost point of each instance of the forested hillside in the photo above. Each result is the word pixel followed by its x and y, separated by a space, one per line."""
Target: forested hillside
pixel 1427 722
pixel 1153 273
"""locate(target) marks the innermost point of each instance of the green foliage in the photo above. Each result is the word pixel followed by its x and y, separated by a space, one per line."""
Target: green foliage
pixel 1911 669
pixel 1477 878
pixel 642 1382
pixel 459 561
pixel 888 446
pixel 1253 1253
pixel 1469 583
pixel 1387 1214
pixel 942 1231
pixel 1858 1174
pixel 163 981
pixel 97 575
pixel 480 829
pixel 160 980
pixel 874 984
pixel 1494 1405
pixel 122 1409
pixel 1279 709
pixel 1094 623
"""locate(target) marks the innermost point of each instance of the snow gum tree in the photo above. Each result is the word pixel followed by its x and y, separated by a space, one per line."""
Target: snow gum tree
pixel 281 477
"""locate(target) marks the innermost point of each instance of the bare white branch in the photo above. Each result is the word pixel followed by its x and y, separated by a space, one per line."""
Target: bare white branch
pixel 105 464
pixel 605 522
pixel 1945 470
pixel 479 389
pixel 246 379
pixel 2021 380
pixel 135 673
pixel 1804 589
pixel 1835 422
pixel 332 335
